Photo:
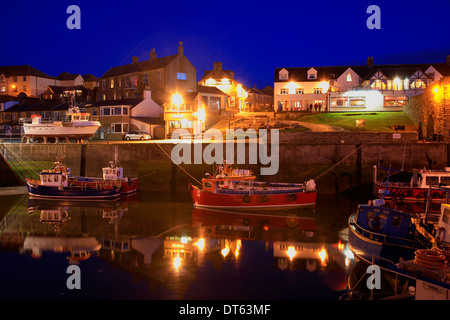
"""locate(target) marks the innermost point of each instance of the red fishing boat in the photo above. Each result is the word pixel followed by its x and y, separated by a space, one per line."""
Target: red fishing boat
pixel 415 185
pixel 237 189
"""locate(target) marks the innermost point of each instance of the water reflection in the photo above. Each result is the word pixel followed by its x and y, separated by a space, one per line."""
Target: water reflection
pixel 183 252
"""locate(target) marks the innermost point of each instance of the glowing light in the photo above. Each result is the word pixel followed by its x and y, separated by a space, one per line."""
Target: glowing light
pixel 225 251
pixel 177 262
pixel 323 255
pixel 210 82
pixel 436 89
pixel 184 240
pixel 13 86
pixel 225 81
pixel 200 244
pixel 177 99
pixel 291 253
pixel 324 85
pixel 341 246
pixel 201 114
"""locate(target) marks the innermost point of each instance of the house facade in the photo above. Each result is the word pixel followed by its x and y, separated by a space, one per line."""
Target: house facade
pixel 117 117
pixel 185 111
pixel 163 76
pixel 353 88
pixel 224 81
pixel 24 80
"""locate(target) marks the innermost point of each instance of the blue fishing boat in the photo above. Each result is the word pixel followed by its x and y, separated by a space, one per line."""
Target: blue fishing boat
pixel 59 183
pixel 381 235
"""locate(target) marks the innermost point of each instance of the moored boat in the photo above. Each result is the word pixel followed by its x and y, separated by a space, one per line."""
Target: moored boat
pixel 113 175
pixel 415 185
pixel 58 183
pixel 381 235
pixel 237 189
pixel 75 125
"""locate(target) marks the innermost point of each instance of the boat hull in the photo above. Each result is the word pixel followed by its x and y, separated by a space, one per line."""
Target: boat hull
pixel 206 199
pixel 406 193
pixel 372 248
pixel 68 193
pixel 84 131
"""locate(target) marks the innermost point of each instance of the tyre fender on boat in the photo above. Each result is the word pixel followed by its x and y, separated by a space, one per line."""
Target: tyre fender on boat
pixel 246 198
pixel 376 223
pixel 311 185
pixel 292 197
pixel 265 198
pixel 440 235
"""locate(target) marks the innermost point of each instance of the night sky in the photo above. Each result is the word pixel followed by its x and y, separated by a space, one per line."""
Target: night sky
pixel 252 38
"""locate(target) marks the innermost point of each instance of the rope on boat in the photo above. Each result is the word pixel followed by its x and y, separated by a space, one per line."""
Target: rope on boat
pixel 178 164
pixel 336 164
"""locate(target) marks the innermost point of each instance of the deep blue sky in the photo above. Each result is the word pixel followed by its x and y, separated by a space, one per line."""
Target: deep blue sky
pixel 250 37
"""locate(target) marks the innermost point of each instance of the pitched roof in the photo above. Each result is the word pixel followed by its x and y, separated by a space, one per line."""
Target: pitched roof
pixel 218 74
pixel 119 102
pixel 23 70
pixel 364 71
pixel 150 120
pixel 139 66
pixel 68 76
pixel 62 89
pixel 90 77
pixel 44 106
pixel 210 89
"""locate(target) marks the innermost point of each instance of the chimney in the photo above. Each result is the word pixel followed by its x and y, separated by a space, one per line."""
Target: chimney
pixel 152 55
pixel 135 60
pixel 370 61
pixel 218 66
pixel 447 60
pixel 180 48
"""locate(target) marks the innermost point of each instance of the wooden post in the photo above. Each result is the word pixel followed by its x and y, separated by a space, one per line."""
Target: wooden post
pixel 173 180
pixel 83 160
pixel 358 166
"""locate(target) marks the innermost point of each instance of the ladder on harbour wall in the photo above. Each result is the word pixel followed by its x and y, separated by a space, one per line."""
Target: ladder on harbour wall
pixel 18 162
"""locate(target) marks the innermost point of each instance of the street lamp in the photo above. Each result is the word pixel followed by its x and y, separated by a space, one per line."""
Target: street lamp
pixel 177 100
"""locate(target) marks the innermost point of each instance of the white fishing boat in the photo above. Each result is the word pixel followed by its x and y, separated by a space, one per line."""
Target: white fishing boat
pixel 75 126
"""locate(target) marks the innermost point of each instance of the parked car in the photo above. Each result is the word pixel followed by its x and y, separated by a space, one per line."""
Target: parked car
pixel 136 135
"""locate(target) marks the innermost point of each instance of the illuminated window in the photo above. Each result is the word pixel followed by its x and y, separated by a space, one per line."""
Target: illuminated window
pixel 284 91
pixel 393 101
pixel 317 90
pixel 112 83
pixel 283 75
pixel 349 77
pixel 103 84
pixel 299 91
pixel 181 76
pixel 2 89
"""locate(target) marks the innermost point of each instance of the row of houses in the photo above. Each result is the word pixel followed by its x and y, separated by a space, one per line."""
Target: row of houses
pixel 157 95
pixel 358 88
pixel 161 94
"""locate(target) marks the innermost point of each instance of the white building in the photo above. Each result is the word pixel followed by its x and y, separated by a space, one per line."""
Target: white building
pixel 353 88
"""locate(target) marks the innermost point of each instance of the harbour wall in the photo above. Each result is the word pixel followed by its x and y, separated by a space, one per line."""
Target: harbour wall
pixel 336 166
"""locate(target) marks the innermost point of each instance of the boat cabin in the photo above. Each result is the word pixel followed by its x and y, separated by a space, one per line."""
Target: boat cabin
pixel 443 228
pixel 434 178
pixel 112 172
pixel 386 221
pixel 50 178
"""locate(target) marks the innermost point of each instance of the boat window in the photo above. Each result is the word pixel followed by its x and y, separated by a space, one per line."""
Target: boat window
pixel 370 215
pixel 50 178
pixel 208 184
pixel 44 178
pixel 446 215
pixel 432 180
pixel 445 180
pixel 396 221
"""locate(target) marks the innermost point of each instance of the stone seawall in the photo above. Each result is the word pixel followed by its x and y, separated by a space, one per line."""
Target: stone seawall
pixel 297 161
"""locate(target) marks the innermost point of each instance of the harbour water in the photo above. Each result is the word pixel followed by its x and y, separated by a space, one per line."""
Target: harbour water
pixel 152 246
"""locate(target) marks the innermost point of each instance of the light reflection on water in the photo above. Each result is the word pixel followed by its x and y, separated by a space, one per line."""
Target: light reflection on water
pixel 157 248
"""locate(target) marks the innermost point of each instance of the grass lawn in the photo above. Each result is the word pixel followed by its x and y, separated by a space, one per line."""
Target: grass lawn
pixel 374 121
